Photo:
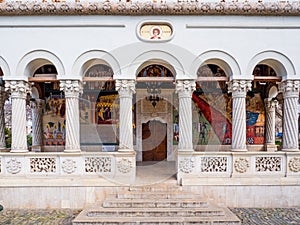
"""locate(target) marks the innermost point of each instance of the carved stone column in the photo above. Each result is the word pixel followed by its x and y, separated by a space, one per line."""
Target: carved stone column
pixel 290 90
pixel 72 90
pixel 185 89
pixel 18 90
pixel 270 106
pixel 239 90
pixel 126 89
pixel 2 119
pixel 37 130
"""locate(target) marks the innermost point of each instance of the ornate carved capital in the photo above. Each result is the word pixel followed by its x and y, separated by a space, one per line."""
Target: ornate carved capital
pixel 271 105
pixel 290 88
pixel 17 88
pixel 185 88
pixel 125 87
pixel 71 88
pixel 37 104
pixel 239 88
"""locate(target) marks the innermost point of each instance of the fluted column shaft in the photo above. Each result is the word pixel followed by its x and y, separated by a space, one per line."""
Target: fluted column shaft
pixel 270 106
pixel 185 89
pixel 37 132
pixel 18 90
pixel 290 90
pixel 239 90
pixel 72 90
pixel 126 89
pixel 2 119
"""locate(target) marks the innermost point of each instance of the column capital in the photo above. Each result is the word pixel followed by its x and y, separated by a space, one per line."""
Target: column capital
pixel 17 88
pixel 125 87
pixel 290 88
pixel 37 103
pixel 71 88
pixel 239 88
pixel 185 88
pixel 271 104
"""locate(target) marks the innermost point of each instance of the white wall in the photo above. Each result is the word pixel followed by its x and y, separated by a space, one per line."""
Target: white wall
pixel 237 39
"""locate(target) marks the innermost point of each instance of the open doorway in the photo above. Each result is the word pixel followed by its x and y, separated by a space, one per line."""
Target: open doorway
pixel 154 141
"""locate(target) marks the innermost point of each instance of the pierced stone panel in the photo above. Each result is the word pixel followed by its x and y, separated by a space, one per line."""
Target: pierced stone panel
pixel 268 164
pixel 98 165
pixel 214 164
pixel 187 165
pixel 294 164
pixel 13 166
pixel 39 165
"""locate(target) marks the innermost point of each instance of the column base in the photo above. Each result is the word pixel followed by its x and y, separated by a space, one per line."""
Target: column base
pixel 270 147
pixel 72 150
pixel 19 150
pixel 239 150
pixel 290 150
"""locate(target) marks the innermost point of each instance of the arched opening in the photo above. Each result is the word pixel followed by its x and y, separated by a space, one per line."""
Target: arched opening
pixel 48 109
pixel 99 110
pixel 6 113
pixel 212 109
pixel 153 113
pixel 258 103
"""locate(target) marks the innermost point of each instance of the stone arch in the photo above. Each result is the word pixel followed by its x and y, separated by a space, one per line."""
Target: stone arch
pixel 91 58
pixel 4 67
pixel 280 63
pixel 34 60
pixel 222 59
pixel 156 57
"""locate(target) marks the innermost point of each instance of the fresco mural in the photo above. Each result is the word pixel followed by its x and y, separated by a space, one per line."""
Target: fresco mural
pixel 54 123
pixel 212 112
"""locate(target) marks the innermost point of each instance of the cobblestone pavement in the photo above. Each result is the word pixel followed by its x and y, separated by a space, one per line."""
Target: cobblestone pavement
pixel 38 217
pixel 248 216
pixel 270 216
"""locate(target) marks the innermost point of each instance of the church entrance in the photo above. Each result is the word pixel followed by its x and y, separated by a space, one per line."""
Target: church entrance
pixel 154 141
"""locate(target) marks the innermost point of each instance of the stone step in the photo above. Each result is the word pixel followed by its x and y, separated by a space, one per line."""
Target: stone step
pixel 157 221
pixel 152 203
pixel 158 188
pixel 155 212
pixel 157 195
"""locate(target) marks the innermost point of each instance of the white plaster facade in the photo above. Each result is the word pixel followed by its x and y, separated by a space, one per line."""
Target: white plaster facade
pixel 75 43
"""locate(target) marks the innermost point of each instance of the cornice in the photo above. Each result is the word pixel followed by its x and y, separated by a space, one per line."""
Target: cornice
pixel 280 8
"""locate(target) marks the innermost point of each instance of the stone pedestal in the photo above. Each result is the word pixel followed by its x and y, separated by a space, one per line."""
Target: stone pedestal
pixel 270 106
pixel 290 90
pixel 126 89
pixel 18 90
pixel 185 89
pixel 72 89
pixel 37 130
pixel 239 90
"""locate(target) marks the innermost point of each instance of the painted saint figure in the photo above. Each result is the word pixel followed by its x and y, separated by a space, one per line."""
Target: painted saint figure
pixel 155 33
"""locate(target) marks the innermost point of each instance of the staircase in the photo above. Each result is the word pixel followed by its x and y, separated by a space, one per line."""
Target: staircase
pixel 156 205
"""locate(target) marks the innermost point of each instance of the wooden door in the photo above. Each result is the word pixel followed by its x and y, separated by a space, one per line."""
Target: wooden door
pixel 154 141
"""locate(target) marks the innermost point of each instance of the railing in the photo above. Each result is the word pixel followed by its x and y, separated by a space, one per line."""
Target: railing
pixel 63 165
pixel 237 168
